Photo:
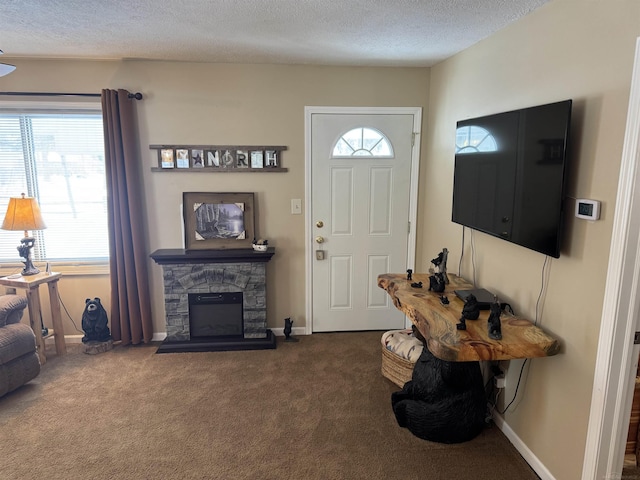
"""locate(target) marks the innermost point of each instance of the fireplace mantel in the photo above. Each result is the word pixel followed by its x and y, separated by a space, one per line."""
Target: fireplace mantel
pixel 167 256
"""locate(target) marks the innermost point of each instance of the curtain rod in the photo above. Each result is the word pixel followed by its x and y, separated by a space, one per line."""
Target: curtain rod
pixel 137 96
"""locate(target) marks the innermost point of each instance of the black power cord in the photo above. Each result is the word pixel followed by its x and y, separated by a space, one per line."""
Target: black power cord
pixel 542 288
pixel 517 387
pixel 68 315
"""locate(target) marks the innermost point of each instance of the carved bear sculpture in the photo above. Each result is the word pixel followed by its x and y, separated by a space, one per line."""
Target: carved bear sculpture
pixel 95 322
pixel 443 402
pixel 437 283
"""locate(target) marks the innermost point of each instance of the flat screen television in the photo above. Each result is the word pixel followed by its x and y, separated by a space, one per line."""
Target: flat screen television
pixel 509 175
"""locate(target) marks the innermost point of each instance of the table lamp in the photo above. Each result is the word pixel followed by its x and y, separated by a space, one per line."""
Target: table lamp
pixel 23 213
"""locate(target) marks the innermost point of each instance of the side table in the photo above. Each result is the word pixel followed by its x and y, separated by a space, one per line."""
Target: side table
pixel 31 284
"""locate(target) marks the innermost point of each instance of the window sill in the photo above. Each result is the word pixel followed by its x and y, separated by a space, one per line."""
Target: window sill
pixel 66 268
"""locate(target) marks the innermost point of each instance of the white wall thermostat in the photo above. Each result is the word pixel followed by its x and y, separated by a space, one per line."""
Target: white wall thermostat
pixel 587 209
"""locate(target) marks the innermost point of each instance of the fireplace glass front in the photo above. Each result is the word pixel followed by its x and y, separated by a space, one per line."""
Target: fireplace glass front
pixel 216 315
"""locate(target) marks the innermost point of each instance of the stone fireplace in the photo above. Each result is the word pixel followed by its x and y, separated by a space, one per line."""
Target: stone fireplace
pixel 238 271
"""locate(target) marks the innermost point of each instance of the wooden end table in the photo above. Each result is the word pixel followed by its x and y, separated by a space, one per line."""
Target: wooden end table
pixel 31 284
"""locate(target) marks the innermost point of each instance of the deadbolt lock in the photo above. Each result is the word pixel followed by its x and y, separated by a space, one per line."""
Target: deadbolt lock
pixel 319 224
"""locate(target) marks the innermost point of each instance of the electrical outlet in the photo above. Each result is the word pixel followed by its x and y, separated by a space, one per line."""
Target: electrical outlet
pixel 500 381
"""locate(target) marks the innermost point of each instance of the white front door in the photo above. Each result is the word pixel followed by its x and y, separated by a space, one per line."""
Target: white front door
pixel 361 168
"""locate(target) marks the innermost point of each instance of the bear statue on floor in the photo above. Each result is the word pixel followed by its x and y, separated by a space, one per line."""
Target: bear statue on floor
pixel 443 402
pixel 95 322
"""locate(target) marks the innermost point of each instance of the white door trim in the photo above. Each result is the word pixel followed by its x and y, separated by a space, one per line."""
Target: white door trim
pixel 617 357
pixel 413 194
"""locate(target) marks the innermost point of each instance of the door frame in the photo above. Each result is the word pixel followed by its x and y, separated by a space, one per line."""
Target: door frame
pixel 413 190
pixel 617 356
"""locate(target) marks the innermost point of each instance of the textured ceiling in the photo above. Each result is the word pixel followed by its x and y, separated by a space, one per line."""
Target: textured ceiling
pixel 339 32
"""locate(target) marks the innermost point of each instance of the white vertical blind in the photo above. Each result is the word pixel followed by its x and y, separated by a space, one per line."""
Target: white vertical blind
pixel 57 157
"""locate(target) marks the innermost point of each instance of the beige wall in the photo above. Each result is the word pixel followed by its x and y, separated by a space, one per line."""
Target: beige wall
pixel 191 103
pixel 567 49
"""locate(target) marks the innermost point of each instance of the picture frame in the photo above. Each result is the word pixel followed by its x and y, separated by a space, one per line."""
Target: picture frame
pixel 166 158
pixel 212 158
pixel 197 158
pixel 227 158
pixel 271 158
pixel 257 159
pixel 242 159
pixel 182 158
pixel 215 221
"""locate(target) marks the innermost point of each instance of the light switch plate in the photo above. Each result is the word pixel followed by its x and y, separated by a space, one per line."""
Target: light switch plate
pixel 296 206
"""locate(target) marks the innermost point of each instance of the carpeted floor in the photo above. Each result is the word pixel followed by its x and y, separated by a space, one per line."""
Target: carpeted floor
pixel 316 409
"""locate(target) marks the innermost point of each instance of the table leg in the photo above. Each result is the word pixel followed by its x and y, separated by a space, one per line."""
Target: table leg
pixel 33 299
pixel 56 318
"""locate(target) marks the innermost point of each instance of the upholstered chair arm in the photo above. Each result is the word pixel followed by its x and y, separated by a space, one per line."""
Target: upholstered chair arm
pixel 11 309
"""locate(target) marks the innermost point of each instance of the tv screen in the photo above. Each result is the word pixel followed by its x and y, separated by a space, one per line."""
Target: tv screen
pixel 509 175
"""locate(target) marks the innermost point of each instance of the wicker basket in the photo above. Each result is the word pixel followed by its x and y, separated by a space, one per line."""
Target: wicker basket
pixel 396 368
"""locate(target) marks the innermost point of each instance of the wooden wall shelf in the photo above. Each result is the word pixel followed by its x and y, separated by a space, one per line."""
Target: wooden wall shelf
pixel 437 323
pixel 219 158
pixel 221 170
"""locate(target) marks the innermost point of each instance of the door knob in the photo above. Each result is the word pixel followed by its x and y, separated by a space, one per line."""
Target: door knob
pixel 319 239
pixel 319 224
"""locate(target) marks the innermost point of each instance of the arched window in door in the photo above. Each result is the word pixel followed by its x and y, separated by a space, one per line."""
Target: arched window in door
pixel 363 142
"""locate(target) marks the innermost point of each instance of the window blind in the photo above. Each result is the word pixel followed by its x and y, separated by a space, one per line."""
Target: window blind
pixel 58 158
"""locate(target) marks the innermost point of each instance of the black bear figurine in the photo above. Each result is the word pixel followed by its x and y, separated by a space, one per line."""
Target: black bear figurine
pixel 437 282
pixel 95 322
pixel 443 402
pixel 288 323
pixel 470 311
pixel 495 328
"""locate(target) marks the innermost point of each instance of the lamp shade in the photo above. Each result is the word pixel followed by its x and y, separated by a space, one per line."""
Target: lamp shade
pixel 23 213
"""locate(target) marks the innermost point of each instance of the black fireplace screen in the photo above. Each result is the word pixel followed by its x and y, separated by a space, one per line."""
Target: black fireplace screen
pixel 215 314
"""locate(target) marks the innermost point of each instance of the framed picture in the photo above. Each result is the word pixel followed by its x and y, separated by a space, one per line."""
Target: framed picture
pixel 197 158
pixel 257 159
pixel 166 158
pixel 182 158
pixel 242 159
pixel 227 159
pixel 271 158
pixel 214 221
pixel 213 158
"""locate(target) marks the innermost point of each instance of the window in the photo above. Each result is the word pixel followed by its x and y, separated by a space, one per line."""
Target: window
pixel 472 139
pixel 58 158
pixel 363 142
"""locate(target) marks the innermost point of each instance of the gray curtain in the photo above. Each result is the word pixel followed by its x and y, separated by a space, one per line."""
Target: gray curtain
pixel 131 320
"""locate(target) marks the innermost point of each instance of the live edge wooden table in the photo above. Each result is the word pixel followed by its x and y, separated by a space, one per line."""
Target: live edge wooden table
pixel 437 323
pixel 31 284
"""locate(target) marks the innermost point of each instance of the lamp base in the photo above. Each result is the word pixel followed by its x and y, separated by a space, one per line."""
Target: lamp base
pixel 29 269
pixel 25 252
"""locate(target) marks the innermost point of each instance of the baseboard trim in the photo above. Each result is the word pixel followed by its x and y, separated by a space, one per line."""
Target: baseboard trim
pixel 295 331
pixel 160 336
pixel 522 448
pixel 69 339
pixel 278 332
